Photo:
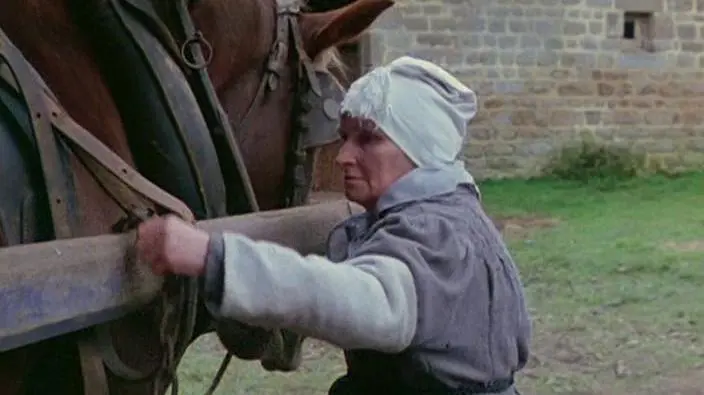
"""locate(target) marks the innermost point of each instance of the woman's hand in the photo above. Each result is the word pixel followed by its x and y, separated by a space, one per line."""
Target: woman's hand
pixel 170 245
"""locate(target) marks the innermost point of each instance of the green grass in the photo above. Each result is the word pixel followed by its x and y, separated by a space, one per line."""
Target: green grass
pixel 615 285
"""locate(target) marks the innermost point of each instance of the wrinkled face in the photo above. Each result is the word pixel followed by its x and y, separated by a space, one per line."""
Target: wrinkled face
pixel 371 162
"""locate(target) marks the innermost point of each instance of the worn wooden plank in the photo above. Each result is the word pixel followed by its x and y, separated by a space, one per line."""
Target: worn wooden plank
pixel 48 289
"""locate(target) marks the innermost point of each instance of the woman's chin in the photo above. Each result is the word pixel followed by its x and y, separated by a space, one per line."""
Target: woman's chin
pixel 359 197
pixel 354 194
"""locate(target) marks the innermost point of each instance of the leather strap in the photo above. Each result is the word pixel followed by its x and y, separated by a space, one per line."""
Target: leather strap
pixel 53 168
pixel 94 377
pixel 131 189
pixel 241 196
pixel 56 178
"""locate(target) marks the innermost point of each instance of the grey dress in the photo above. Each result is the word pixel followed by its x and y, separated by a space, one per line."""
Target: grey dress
pixel 421 293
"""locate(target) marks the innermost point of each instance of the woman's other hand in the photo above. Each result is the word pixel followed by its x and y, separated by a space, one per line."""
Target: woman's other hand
pixel 172 246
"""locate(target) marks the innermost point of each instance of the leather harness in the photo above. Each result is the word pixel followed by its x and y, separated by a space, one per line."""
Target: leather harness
pixel 56 133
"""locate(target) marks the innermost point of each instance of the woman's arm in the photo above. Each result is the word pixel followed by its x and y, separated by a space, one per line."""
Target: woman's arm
pixel 366 302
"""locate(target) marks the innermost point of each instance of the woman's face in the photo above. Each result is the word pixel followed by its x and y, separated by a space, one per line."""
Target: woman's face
pixel 371 162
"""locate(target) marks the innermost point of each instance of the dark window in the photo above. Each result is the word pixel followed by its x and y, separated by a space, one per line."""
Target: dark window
pixel 629 29
pixel 638 29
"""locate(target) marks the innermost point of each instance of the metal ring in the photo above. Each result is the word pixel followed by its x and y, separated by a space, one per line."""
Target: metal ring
pixel 208 51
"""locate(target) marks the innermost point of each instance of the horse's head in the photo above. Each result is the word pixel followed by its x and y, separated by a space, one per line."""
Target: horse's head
pixel 243 34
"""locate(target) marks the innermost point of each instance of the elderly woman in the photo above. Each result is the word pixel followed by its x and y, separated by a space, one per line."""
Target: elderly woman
pixel 420 290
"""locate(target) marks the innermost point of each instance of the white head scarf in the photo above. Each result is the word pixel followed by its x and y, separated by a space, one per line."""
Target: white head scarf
pixel 419 106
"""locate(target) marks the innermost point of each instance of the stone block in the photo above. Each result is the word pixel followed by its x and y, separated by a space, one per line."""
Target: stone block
pixel 535 148
pixel 605 89
pixel 592 117
pixel 663 27
pixel 590 43
pixel 625 117
pixel 527 58
pixel 399 40
pixel 517 11
pixel 554 43
pixel 566 117
pixel 433 9
pixel 472 24
pixel 470 42
pixel 498 149
pixel 481 57
pixel 642 61
pixel 411 8
pixel 614 25
pixel 596 28
pixel 508 87
pixel 491 40
pixel 686 32
pixel 391 19
pixel 600 3
pixel 540 87
pixel 530 42
pixel 443 23
pixel 493 103
pixel 640 5
pixel 574 28
pixel 411 23
pixel 546 27
pixel 498 12
pixel 660 117
pixel 507 58
pixel 693 47
pixel 548 58
pixel 680 5
pixel 481 133
pixel 436 39
pixel 518 26
pixel 497 26
pixel 474 150
pixel 508 42
pixel 576 88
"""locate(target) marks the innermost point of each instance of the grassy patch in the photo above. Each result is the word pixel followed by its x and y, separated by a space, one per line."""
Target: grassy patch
pixel 614 280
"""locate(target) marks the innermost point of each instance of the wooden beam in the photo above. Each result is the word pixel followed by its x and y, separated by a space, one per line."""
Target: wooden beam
pixel 52 288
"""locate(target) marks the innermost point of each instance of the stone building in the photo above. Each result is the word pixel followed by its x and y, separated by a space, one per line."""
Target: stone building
pixel 549 71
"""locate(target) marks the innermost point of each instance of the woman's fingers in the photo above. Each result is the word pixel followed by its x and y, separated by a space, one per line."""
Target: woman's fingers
pixel 170 245
pixel 150 235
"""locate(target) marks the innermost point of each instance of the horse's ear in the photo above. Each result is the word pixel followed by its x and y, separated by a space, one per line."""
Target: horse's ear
pixel 323 30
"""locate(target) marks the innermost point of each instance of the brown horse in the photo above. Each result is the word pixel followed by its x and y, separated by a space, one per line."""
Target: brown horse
pixel 241 34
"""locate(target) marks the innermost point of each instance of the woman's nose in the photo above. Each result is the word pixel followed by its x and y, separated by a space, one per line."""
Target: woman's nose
pixel 345 156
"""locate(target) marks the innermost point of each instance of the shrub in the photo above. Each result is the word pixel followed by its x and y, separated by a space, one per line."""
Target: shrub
pixel 590 161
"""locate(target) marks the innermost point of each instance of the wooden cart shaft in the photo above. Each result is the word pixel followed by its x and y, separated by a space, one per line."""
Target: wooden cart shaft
pixel 52 288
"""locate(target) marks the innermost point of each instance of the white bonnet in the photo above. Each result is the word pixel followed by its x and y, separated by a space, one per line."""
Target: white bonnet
pixel 423 109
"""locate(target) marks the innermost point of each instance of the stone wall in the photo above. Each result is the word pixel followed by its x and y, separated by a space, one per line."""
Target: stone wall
pixel 548 71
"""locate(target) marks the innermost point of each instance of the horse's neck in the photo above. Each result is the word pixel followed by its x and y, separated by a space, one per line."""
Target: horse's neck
pixel 228 31
pixel 237 70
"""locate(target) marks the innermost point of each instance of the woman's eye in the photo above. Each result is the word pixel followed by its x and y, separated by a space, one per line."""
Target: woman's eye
pixel 366 138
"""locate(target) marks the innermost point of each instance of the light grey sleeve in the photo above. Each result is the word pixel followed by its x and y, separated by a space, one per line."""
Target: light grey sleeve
pixel 366 302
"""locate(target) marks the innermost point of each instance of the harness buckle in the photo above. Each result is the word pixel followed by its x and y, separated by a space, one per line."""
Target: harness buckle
pixel 199 39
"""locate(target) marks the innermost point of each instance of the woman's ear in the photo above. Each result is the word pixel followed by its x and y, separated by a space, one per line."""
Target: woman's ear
pixel 323 30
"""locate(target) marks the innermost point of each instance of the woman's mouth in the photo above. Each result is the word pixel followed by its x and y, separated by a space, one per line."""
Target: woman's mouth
pixel 351 179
